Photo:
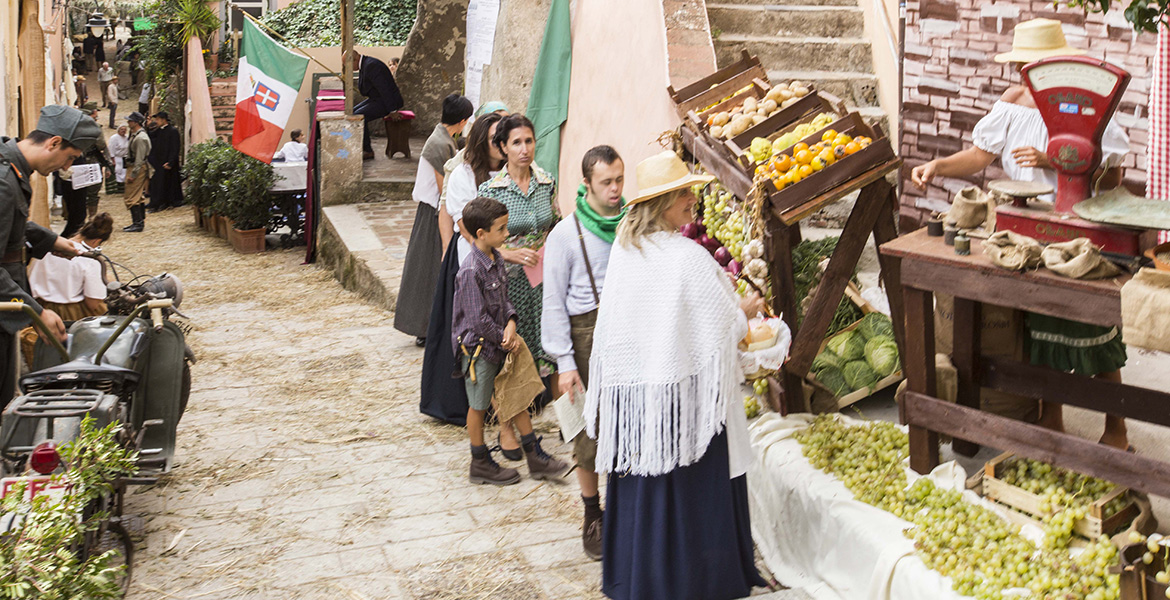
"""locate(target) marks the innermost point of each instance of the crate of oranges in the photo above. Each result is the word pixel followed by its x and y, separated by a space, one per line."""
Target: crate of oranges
pixel 829 157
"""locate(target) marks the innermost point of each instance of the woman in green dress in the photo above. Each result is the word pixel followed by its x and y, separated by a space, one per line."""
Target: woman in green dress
pixel 529 192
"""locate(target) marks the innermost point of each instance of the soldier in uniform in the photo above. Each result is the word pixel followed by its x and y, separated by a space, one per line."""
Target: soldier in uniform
pixel 63 133
pixel 138 172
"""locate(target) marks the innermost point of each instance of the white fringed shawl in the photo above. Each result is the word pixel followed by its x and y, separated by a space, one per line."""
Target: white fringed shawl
pixel 664 374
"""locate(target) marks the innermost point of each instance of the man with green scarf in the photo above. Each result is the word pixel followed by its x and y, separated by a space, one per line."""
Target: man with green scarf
pixel 576 253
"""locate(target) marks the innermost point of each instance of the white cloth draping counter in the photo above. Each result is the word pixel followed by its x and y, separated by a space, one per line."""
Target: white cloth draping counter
pixel 290 176
pixel 813 534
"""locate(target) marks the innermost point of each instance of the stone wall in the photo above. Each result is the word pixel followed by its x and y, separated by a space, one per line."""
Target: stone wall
pixel 433 60
pixel 519 32
pixel 951 82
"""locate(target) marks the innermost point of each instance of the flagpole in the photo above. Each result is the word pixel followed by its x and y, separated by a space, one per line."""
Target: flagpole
pixel 285 40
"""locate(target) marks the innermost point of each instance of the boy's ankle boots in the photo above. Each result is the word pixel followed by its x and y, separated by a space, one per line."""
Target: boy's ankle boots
pixel 540 464
pixel 486 470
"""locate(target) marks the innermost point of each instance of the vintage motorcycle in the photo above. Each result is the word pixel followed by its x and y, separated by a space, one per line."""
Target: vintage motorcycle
pixel 131 365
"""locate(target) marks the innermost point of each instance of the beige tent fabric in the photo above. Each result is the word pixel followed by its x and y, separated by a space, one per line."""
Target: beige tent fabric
pixel 517 384
pixel 1012 251
pixel 1078 259
pixel 1145 310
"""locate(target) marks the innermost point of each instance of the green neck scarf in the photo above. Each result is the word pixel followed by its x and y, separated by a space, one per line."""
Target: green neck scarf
pixel 603 227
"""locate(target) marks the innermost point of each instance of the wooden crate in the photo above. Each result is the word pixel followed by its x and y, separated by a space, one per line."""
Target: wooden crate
pixel 854 295
pixel 845 169
pixel 786 119
pixel 697 96
pixel 1092 526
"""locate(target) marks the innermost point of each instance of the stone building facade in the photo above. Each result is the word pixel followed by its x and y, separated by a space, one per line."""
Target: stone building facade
pixel 951 81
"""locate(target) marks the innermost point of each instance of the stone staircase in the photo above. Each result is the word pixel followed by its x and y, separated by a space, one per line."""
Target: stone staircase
pixel 223 106
pixel 817 41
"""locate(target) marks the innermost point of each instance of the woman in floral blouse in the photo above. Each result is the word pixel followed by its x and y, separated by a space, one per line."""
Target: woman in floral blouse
pixel 529 192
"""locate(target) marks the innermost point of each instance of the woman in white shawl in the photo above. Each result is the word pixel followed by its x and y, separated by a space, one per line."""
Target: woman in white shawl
pixel 662 405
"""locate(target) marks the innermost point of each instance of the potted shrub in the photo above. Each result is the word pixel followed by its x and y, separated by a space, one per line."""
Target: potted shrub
pixel 232 189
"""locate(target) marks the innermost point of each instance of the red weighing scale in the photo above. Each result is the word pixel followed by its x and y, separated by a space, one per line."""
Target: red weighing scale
pixel 1076 96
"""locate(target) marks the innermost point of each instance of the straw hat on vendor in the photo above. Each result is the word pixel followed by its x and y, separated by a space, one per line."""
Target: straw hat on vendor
pixel 665 360
pixel 1015 133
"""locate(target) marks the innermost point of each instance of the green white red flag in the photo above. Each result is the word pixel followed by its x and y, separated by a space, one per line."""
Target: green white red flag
pixel 270 77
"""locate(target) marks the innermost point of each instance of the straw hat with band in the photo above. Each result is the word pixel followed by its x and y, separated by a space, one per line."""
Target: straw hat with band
pixel 1035 40
pixel 663 173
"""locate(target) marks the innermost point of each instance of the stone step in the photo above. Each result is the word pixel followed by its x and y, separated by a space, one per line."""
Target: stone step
pixel 798 53
pixel 760 20
pixel 856 89
pixel 770 3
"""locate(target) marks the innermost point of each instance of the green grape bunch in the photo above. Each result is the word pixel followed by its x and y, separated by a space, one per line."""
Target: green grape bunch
pixel 983 555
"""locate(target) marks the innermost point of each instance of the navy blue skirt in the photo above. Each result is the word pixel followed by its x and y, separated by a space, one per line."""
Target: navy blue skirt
pixel 685 535
pixel 443 394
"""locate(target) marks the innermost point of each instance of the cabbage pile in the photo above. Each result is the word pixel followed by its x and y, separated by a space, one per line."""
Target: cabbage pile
pixel 857 359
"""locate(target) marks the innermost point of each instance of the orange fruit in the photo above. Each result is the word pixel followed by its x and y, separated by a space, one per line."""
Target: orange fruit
pixel 818 163
pixel 841 139
pixel 794 175
pixel 805 171
pixel 852 147
pixel 803 157
pixel 782 163
pixel 780 183
pixel 839 151
pixel 798 147
pixel 828 135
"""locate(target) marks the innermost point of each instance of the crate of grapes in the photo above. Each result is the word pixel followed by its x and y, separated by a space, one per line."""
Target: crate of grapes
pixel 1037 488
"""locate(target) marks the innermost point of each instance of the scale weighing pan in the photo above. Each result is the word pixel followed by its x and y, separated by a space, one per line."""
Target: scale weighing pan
pixel 1120 207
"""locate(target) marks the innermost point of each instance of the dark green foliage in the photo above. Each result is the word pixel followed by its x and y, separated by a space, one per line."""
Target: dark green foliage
pixel 1144 15
pixel 805 258
pixel 315 23
pixel 222 180
pixel 826 359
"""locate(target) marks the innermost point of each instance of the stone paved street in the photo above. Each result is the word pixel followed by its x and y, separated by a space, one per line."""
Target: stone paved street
pixel 304 468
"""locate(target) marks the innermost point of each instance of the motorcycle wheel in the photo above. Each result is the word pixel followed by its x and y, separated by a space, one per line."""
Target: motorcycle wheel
pixel 112 535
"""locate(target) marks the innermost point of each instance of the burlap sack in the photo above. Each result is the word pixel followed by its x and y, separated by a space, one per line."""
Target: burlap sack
pixel 1078 259
pixel 1145 310
pixel 970 207
pixel 1001 334
pixel 1012 251
pixel 517 384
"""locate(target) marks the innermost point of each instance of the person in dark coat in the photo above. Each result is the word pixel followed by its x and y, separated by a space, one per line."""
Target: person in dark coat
pixel 63 133
pixel 165 187
pixel 376 83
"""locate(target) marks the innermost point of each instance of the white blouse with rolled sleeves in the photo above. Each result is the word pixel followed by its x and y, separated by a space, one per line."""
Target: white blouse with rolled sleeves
pixel 1009 126
pixel 461 189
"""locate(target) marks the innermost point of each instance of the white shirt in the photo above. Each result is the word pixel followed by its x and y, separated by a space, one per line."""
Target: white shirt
pixel 426 188
pixel 293 152
pixel 112 93
pixel 461 189
pixel 119 148
pixel 1009 126
pixel 65 281
pixel 144 97
pixel 105 74
pixel 567 291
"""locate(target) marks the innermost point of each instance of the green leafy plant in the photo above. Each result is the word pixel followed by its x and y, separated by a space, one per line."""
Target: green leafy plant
pixel 222 180
pixel 227 52
pixel 195 19
pixel 317 23
pixel 1144 15
pixel 41 554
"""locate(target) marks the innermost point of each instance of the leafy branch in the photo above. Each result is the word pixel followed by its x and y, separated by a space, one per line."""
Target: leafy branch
pixel 1144 15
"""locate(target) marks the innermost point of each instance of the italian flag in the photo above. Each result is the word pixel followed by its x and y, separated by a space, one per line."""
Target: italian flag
pixel 269 79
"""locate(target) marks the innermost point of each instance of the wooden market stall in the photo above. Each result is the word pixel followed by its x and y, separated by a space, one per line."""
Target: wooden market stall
pixel 927 266
pixel 780 210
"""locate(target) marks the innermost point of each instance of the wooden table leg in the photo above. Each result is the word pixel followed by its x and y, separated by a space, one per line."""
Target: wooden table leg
pixel 918 364
pixel 968 329
pixel 779 240
pixel 885 229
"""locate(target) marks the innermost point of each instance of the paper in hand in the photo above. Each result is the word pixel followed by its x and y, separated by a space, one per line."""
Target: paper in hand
pixel 535 272
pixel 571 414
pixel 86 175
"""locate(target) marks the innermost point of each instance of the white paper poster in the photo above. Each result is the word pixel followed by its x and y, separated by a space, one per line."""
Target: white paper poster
pixel 481 39
pixel 86 175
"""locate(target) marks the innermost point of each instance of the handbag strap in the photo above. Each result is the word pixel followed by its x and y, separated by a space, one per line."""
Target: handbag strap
pixel 588 266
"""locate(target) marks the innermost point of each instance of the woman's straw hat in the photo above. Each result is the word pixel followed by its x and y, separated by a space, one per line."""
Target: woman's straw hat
pixel 1035 40
pixel 663 173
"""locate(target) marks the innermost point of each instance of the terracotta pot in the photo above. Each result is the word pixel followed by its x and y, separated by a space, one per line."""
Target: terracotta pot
pixel 222 226
pixel 198 216
pixel 248 241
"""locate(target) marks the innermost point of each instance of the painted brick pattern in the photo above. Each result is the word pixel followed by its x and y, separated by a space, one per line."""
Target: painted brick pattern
pixel 951 82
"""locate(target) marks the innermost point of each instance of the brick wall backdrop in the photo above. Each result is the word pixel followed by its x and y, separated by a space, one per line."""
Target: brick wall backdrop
pixel 951 82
